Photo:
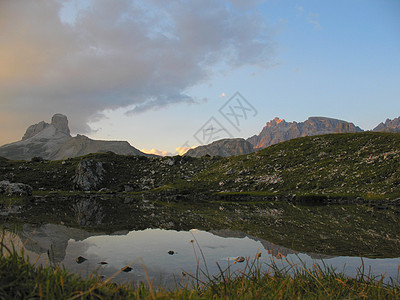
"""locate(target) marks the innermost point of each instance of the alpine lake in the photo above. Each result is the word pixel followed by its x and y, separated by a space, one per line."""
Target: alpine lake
pixel 172 242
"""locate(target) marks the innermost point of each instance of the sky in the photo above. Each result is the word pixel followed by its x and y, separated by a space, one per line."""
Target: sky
pixel 170 75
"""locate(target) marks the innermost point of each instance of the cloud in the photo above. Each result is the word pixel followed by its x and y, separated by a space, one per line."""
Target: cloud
pixel 313 18
pixel 246 4
pixel 157 152
pixel 113 54
pixel 182 150
pixel 300 10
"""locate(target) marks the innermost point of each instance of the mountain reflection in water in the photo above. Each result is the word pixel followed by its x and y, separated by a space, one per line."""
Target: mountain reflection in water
pixel 165 254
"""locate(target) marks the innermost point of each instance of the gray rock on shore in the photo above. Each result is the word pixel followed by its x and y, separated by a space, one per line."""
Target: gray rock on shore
pixel 89 175
pixel 15 189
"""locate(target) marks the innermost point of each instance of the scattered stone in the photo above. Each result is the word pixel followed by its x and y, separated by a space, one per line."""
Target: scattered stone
pixel 80 259
pixel 128 200
pixel 15 189
pixel 239 259
pixel 170 252
pixel 126 269
pixel 169 162
pixel 128 188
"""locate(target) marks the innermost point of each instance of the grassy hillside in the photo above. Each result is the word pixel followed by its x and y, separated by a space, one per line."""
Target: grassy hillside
pixel 354 163
pixel 358 164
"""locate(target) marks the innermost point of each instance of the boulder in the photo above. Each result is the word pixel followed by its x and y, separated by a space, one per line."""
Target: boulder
pixel 89 175
pixel 15 189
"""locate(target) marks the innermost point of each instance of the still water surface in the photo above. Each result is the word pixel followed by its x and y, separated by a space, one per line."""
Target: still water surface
pixel 149 251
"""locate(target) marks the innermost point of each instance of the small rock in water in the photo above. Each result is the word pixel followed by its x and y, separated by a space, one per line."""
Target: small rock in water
pixel 170 252
pixel 80 259
pixel 127 269
pixel 239 259
pixel 103 263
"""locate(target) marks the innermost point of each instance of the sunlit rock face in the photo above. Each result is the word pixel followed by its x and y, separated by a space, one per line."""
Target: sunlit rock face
pixel 54 142
pixel 389 126
pixel 278 130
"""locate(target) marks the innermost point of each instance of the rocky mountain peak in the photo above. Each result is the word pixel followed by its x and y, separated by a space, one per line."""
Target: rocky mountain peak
pixel 389 125
pixel 54 142
pixel 278 130
pixel 275 122
pixel 60 122
pixel 35 129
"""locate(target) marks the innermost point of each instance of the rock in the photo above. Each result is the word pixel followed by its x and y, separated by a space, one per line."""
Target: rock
pixel 126 269
pixel 389 126
pixel 239 259
pixel 169 162
pixel 89 175
pixel 15 189
pixel 60 122
pixel 80 259
pixel 128 200
pixel 128 188
pixel 35 129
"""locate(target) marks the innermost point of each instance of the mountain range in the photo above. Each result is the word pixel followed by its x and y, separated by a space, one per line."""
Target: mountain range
pixel 278 130
pixel 54 142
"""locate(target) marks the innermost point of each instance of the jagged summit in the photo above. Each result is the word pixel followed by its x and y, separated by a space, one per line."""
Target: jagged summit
pixel 58 121
pixel 53 141
pixel 389 125
pixel 275 122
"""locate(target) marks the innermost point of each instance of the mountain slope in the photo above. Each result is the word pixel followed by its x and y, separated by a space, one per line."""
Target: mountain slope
pixel 353 163
pixel 223 148
pixel 278 130
pixel 53 142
